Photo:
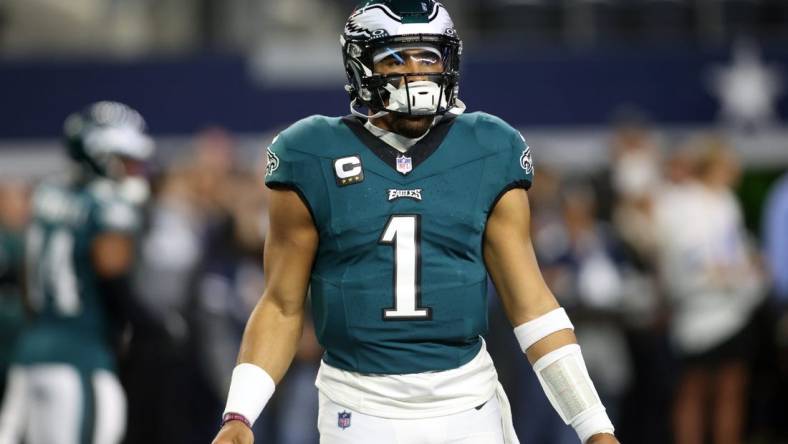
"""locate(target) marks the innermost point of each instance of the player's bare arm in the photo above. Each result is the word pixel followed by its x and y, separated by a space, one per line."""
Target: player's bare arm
pixel 272 333
pixel 113 254
pixel 511 262
pixel 274 328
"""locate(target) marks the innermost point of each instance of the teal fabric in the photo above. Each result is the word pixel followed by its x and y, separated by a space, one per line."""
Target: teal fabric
pixel 352 282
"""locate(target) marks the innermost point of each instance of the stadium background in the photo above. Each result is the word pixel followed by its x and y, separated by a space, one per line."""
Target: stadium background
pixel 587 81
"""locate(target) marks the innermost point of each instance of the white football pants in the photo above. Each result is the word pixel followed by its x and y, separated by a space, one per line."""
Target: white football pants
pixel 44 404
pixel 484 425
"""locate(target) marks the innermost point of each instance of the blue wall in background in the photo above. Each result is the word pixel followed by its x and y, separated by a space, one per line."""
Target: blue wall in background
pixel 539 88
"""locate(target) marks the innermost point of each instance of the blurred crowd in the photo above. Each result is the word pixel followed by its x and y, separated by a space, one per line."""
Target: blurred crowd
pixel 679 308
pixel 123 28
pixel 673 297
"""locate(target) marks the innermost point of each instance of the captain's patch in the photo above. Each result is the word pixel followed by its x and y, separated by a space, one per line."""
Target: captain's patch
pixel 348 171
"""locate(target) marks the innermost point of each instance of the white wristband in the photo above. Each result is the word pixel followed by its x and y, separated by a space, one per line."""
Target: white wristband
pixel 533 331
pixel 591 423
pixel 250 390
pixel 566 382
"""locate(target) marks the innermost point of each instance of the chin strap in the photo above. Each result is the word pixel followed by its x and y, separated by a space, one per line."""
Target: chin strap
pixel 455 111
pixel 354 110
pixel 458 109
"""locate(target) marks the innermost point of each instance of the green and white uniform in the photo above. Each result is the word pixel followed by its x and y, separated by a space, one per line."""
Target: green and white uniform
pixel 64 359
pixel 11 283
pixel 399 285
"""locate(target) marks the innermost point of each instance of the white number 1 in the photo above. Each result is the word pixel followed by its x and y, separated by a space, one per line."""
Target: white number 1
pixel 403 233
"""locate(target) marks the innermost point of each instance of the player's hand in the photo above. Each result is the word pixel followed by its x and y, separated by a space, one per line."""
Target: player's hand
pixel 603 438
pixel 234 432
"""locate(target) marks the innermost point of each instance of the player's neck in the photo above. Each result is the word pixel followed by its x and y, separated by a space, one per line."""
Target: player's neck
pixel 397 141
pixel 411 127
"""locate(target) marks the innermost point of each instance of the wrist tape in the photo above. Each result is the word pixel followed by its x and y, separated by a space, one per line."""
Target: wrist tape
pixel 533 331
pixel 250 390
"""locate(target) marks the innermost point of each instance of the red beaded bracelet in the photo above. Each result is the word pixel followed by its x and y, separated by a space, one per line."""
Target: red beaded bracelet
pixel 231 416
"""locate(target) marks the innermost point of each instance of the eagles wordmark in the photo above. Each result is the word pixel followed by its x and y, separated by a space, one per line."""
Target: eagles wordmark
pixel 408 194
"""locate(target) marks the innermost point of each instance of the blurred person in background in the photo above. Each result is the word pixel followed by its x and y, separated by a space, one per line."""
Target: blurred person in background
pixel 14 215
pixel 189 213
pixel 80 250
pixel 635 178
pixel 707 267
pixel 155 368
pixel 228 279
pixel 775 243
pixel 635 182
pixel 775 232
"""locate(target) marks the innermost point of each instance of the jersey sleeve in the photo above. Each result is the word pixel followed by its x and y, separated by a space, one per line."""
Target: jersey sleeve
pixel 520 164
pixel 289 168
pixel 282 165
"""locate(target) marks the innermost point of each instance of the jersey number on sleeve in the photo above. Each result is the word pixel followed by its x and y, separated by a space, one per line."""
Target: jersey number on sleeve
pixel 51 270
pixel 404 234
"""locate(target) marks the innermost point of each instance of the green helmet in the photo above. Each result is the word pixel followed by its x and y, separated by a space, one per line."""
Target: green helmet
pixel 380 26
pixel 99 136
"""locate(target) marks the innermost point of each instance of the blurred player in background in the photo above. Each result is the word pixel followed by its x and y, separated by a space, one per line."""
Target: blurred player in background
pixel 14 213
pixel 80 250
pixel 394 218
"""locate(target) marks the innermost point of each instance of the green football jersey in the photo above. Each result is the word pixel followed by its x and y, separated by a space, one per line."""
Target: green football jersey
pixel 12 315
pixel 72 324
pixel 399 283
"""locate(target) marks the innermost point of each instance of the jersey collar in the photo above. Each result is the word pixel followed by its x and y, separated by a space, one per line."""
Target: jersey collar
pixel 420 152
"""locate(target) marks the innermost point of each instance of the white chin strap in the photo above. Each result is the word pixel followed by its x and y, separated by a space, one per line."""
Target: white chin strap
pixel 420 97
pixel 354 110
pixel 423 95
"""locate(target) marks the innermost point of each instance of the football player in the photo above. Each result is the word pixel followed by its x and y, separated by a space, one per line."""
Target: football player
pixel 79 252
pixel 394 218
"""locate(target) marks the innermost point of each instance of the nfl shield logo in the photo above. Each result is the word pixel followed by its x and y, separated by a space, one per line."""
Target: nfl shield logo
pixel 404 164
pixel 344 420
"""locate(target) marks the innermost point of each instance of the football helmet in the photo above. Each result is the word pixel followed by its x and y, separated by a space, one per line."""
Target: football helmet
pixel 104 136
pixel 378 28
